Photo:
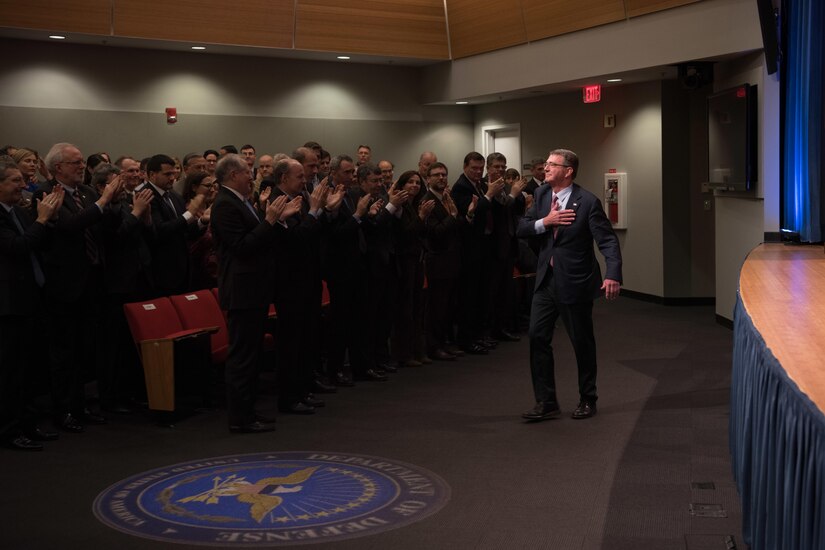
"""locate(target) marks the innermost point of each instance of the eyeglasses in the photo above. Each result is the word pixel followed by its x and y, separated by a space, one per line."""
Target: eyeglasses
pixel 73 162
pixel 554 165
pixel 208 185
pixel 438 175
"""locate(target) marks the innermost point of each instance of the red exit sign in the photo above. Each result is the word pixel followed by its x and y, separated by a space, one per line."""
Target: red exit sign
pixel 592 94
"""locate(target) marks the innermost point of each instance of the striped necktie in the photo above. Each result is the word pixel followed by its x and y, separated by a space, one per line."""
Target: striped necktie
pixel 92 251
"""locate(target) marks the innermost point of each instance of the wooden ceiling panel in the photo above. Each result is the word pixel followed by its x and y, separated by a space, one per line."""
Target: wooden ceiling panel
pixel 267 23
pixel 84 16
pixel 546 18
pixel 404 28
pixel 641 7
pixel 478 26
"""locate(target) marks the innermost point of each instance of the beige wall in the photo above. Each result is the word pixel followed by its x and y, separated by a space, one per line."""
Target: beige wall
pixel 633 146
pixel 114 99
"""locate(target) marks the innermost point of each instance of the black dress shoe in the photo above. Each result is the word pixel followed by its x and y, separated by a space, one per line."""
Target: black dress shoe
pixel 320 386
pixel 312 401
pixel 342 380
pixel 264 418
pixel 386 367
pixel 542 411
pixel 586 409
pixel 371 375
pixel 297 408
pixel 475 349
pixel 505 336
pixel 252 428
pixel 69 423
pixel 454 350
pixel 441 355
pixel 88 417
pixel 37 434
pixel 487 342
pixel 23 443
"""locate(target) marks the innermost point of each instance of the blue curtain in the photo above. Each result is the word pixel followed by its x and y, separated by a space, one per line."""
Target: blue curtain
pixel 802 188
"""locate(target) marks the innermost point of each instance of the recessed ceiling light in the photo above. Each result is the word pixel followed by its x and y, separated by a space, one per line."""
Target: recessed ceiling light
pixel 57 37
pixel 344 57
pixel 198 47
pixel 462 102
pixel 614 79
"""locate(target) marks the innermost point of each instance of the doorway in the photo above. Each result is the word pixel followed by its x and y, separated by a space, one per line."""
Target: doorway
pixel 504 139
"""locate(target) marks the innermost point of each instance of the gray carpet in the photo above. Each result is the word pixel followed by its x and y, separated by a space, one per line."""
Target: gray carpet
pixel 626 479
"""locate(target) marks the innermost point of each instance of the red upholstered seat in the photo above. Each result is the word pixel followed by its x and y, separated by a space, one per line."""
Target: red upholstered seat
pixel 199 310
pixel 157 330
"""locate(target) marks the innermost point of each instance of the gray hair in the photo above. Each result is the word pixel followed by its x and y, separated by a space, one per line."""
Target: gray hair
pixel 55 155
pixel 102 173
pixel 6 163
pixel 228 163
pixel 336 161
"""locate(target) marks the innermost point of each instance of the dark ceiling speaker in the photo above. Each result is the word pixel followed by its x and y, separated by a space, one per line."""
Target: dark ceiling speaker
pixel 695 75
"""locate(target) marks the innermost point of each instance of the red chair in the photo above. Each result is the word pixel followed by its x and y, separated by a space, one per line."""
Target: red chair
pixel 158 333
pixel 199 310
pixel 324 294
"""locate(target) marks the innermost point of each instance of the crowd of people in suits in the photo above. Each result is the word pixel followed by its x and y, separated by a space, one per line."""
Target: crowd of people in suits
pixel 79 238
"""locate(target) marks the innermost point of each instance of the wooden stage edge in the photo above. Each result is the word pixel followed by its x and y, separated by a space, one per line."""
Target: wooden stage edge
pixel 783 290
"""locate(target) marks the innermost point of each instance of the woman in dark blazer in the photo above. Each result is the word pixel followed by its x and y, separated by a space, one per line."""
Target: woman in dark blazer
pixel 407 339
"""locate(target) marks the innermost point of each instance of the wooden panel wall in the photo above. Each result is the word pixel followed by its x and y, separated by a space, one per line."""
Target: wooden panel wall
pixel 554 17
pixel 86 16
pixel 404 28
pixel 478 26
pixel 266 23
pixel 641 7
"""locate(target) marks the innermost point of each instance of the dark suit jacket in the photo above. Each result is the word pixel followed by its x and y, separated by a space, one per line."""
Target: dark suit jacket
pixel 65 262
pixel 170 243
pixel 343 257
pixel 298 271
pixel 128 258
pixel 18 291
pixel 379 235
pixel 245 252
pixel 532 185
pixel 442 242
pixel 576 273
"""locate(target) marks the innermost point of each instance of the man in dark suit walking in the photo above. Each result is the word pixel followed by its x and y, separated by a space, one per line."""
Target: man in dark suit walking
pixel 245 246
pixel 568 220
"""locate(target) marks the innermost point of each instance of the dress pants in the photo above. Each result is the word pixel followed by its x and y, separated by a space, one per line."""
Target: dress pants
pixel 246 332
pixel 578 320
pixel 75 330
pixel 13 330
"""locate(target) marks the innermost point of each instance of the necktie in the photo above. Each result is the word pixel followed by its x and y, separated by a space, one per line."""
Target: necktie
pixel 252 209
pixel 92 251
pixel 167 198
pixel 555 206
pixel 39 278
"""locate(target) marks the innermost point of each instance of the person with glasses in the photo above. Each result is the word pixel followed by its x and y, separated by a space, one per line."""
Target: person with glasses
pixel 73 267
pixel 442 262
pixel 568 220
pixel 22 235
